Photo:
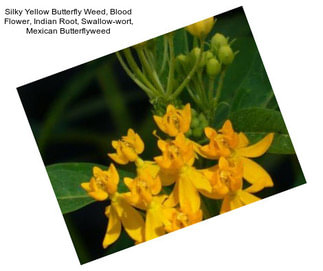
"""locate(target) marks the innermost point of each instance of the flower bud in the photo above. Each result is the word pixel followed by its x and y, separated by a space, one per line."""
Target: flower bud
pixel 205 57
pixel 213 67
pixel 217 41
pixel 197 132
pixel 226 55
pixel 202 28
pixel 180 63
pixel 193 56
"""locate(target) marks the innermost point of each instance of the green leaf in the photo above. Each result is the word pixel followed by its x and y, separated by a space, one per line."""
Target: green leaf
pixel 66 179
pixel 221 114
pixel 281 144
pixel 257 122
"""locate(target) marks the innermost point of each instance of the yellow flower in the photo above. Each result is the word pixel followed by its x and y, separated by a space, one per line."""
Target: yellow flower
pixel 127 149
pixel 104 185
pixel 201 28
pixel 175 121
pixel 143 195
pixel 226 182
pixel 225 177
pixel 227 143
pixel 120 212
pixel 179 218
pixel 176 166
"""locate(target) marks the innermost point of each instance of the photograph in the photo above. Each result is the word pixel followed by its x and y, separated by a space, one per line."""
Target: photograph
pixel 161 135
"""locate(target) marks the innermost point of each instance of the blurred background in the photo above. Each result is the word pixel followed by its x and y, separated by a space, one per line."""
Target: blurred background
pixel 75 114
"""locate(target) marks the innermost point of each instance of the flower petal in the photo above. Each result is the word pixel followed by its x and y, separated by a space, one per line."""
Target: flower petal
pixel 188 195
pixel 159 122
pixel 225 207
pixel 113 229
pixel 172 199
pixel 132 221
pixel 122 160
pixel 199 180
pixel 257 149
pixel 99 195
pixel 255 175
pixel 247 198
pixel 154 226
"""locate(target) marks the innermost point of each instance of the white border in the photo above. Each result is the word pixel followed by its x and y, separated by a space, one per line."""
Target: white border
pixel 281 232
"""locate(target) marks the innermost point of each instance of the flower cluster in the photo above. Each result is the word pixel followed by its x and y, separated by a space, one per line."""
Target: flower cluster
pixel 147 211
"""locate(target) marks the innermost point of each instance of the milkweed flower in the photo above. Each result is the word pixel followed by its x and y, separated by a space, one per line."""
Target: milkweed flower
pixel 201 28
pixel 144 195
pixel 104 185
pixel 227 143
pixel 176 166
pixel 181 218
pixel 226 181
pixel 175 121
pixel 127 148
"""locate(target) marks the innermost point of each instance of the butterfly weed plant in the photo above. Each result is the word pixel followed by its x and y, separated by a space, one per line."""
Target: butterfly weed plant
pixel 206 162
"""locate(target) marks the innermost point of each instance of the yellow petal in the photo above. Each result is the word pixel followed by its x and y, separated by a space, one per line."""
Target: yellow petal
pixel 120 159
pixel 256 175
pixel 225 207
pixel 247 198
pixel 257 149
pixel 188 195
pixel 140 146
pixel 243 140
pixel 159 122
pixel 167 178
pixel 130 153
pixel 132 221
pixel 113 230
pixel 99 195
pixel 172 199
pixel 187 118
pixel 198 180
pixel 154 226
pixel 86 187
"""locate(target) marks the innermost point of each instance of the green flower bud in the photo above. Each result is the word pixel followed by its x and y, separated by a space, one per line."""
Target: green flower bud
pixel 193 112
pixel 197 132
pixel 226 55
pixel 217 41
pixel 180 63
pixel 213 67
pixel 195 122
pixel 205 57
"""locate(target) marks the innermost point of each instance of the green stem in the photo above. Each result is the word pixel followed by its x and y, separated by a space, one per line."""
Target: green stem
pixel 150 70
pixel 133 77
pixel 133 65
pixel 189 76
pixel 165 55
pixel 196 99
pixel 170 81
pixel 211 88
pixel 219 88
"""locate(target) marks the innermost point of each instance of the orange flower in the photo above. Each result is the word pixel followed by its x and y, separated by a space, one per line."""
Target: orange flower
pixel 175 121
pixel 227 143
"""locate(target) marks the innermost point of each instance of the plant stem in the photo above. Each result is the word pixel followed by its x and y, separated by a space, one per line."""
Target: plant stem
pixel 150 70
pixel 133 65
pixel 219 88
pixel 165 55
pixel 189 76
pixel 170 80
pixel 211 88
pixel 133 77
